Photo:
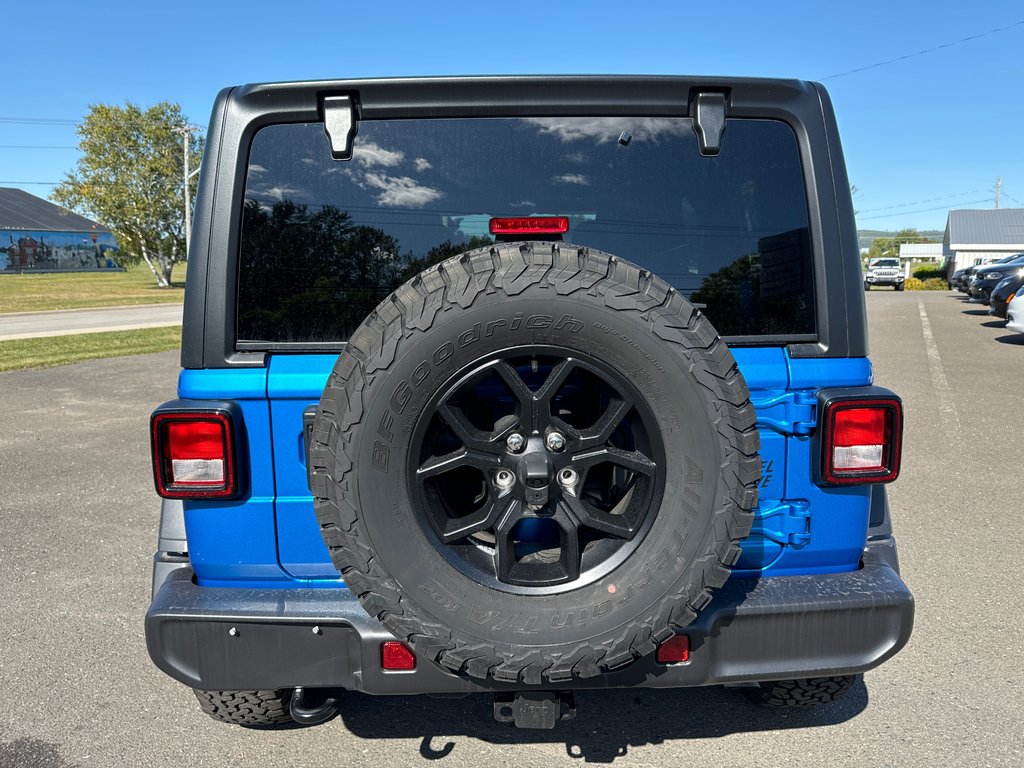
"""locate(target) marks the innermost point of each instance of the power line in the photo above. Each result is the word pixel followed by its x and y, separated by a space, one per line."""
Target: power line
pixel 36 146
pixel 922 210
pixel 41 183
pixel 923 52
pixel 38 121
pixel 921 202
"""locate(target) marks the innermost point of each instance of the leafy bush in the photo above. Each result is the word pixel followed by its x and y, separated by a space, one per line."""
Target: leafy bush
pixel 931 284
pixel 928 271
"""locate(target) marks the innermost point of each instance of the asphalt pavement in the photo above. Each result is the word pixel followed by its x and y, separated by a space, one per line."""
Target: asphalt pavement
pixel 64 322
pixel 78 524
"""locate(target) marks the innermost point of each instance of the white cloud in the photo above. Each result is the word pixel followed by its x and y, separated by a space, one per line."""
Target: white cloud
pixel 523 204
pixel 608 129
pixel 277 193
pixel 401 191
pixel 572 178
pixel 256 170
pixel 373 154
pixel 422 164
pixel 309 161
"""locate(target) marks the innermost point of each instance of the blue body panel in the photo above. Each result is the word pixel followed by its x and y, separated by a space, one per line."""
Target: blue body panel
pixel 232 541
pixel 295 383
pixel 271 536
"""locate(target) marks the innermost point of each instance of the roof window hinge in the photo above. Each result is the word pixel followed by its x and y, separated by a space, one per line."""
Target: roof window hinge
pixel 340 125
pixel 709 122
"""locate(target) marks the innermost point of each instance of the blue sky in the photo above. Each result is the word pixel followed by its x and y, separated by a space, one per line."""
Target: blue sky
pixel 921 135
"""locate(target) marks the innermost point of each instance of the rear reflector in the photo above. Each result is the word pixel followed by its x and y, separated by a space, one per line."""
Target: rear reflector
pixel 396 656
pixel 675 650
pixel 861 441
pixel 530 225
pixel 193 455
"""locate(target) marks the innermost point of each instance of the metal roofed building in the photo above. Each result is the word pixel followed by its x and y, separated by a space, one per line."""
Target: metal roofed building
pixel 38 236
pixel 978 237
pixel 922 252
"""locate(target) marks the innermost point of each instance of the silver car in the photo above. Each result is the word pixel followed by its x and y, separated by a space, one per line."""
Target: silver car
pixel 1015 313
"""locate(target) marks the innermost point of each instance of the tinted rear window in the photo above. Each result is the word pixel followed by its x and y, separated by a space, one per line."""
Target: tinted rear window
pixel 324 241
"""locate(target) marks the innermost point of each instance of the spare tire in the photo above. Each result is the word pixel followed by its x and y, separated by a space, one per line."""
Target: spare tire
pixel 534 461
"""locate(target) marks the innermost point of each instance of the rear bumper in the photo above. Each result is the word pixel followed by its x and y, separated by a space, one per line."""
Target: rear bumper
pixel 754 629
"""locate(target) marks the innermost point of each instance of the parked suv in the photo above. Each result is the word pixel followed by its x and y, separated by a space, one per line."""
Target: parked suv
pixel 519 386
pixel 884 272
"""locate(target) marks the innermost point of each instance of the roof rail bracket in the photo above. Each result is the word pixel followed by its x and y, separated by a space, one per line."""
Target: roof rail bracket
pixel 709 122
pixel 340 125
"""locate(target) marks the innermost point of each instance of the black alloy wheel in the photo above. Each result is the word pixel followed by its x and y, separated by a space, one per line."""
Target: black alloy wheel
pixel 539 469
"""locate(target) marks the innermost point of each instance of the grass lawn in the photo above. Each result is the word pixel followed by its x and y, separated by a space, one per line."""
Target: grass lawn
pixel 80 290
pixel 60 350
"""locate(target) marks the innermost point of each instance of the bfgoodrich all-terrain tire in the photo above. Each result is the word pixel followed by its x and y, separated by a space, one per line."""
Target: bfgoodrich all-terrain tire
pixel 808 692
pixel 250 709
pixel 534 461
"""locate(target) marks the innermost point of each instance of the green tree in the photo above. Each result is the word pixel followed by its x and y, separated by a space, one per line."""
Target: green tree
pixel 130 178
pixel 889 247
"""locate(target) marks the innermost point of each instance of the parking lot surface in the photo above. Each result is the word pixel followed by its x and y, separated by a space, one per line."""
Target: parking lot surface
pixel 78 524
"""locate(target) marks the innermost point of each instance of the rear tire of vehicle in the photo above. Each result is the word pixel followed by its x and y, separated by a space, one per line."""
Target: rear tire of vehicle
pixel 808 692
pixel 249 709
pixel 486 315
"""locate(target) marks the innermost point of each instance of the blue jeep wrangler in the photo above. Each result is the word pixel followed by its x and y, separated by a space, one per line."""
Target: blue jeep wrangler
pixel 523 385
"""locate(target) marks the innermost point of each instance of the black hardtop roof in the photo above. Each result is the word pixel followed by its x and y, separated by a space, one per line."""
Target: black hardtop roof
pixel 603 79
pixel 240 112
pixel 381 98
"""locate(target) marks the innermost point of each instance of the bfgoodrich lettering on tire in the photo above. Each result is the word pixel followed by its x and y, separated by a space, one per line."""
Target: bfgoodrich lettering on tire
pixel 534 461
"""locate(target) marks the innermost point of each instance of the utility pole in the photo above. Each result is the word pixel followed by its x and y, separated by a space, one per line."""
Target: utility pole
pixel 999 188
pixel 186 138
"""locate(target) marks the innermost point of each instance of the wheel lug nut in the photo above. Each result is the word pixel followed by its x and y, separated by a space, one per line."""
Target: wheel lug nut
pixel 503 479
pixel 554 441
pixel 515 442
pixel 568 477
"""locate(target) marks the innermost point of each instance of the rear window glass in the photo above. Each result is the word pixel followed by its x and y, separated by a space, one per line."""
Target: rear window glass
pixel 324 241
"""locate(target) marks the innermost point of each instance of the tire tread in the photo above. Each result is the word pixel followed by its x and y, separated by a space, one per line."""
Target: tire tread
pixel 510 269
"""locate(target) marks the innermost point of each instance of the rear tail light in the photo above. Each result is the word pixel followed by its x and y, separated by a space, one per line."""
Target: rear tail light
pixel 675 650
pixel 194 455
pixel 861 440
pixel 395 656
pixel 530 225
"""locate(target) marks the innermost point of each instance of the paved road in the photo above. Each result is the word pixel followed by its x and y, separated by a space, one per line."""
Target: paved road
pixel 63 322
pixel 77 526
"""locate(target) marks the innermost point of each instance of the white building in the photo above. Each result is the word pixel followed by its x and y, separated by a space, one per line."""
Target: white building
pixel 915 252
pixel 979 237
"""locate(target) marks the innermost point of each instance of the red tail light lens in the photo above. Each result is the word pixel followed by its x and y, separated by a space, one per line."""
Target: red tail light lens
pixel 675 650
pixel 530 225
pixel 862 441
pixel 395 656
pixel 194 455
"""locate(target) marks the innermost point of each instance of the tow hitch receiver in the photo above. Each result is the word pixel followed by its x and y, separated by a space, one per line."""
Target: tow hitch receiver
pixel 534 709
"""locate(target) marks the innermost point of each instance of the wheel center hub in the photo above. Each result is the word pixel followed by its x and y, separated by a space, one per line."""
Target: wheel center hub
pixel 535 473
